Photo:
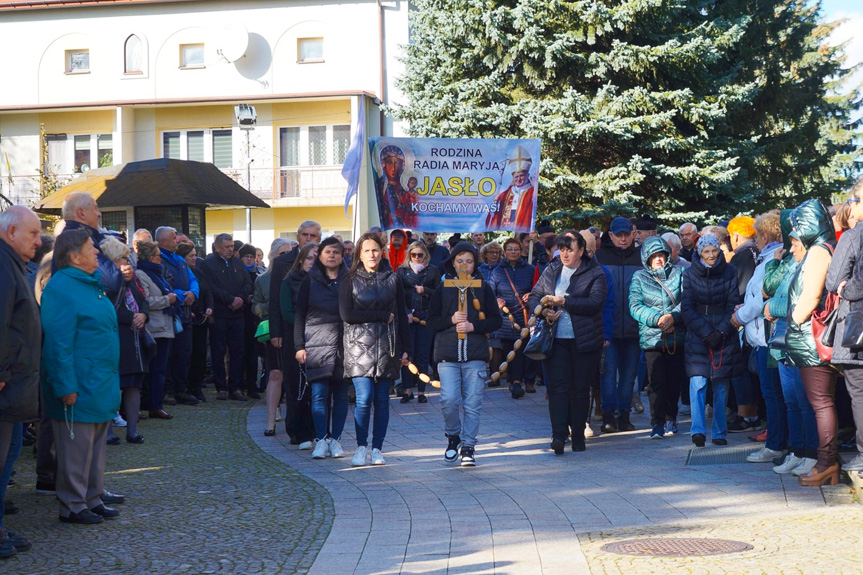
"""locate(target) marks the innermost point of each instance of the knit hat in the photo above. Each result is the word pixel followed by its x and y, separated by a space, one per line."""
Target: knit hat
pixel 545 227
pixel 247 250
pixel 706 240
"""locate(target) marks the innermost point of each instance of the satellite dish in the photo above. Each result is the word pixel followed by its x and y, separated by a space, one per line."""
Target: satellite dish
pixel 85 168
pixel 231 42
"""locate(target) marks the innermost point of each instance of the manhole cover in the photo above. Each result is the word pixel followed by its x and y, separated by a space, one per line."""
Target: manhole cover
pixel 676 547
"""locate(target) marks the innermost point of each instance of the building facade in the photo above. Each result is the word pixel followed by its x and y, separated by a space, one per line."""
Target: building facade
pixel 94 83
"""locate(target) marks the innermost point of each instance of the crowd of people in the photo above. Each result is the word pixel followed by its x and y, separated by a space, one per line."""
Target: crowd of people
pixel 746 326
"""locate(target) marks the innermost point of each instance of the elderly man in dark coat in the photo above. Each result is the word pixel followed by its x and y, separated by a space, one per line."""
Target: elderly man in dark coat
pixel 20 348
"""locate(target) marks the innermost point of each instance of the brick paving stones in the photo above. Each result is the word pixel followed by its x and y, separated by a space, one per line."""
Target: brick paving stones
pixel 522 509
pixel 201 498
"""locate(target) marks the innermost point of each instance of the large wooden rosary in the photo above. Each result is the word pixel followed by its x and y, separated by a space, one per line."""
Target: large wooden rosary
pixel 463 283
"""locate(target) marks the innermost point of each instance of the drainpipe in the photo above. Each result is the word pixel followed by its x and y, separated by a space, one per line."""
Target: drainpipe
pixel 382 87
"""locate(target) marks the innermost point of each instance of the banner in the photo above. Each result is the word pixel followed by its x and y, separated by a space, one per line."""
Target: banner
pixel 455 185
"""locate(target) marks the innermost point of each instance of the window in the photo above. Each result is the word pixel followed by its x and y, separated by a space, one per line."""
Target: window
pixel 341 143
pixel 115 221
pixel 195 142
pixel 191 55
pixel 317 145
pixel 223 149
pixel 77 61
pixel 290 146
pixel 57 159
pixel 310 50
pixel 105 149
pixel 82 154
pixel 171 145
pixel 133 55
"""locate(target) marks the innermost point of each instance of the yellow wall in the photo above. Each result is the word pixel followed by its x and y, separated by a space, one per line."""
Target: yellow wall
pixel 89 122
pixel 312 113
pixel 194 117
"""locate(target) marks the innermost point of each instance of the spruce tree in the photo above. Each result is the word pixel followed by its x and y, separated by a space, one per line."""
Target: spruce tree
pixel 690 110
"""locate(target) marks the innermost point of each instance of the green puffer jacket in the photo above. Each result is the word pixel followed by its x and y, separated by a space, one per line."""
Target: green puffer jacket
pixel 813 226
pixel 777 280
pixel 648 300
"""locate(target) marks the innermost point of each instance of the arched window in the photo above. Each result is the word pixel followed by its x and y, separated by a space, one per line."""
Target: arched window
pixel 133 56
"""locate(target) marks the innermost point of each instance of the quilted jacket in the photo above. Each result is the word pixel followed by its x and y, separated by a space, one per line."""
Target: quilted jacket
pixel 650 297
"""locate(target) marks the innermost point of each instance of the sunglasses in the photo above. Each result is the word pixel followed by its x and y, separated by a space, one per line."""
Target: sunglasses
pixel 417 255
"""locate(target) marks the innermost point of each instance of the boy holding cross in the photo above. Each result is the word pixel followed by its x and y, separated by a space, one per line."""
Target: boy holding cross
pixel 462 314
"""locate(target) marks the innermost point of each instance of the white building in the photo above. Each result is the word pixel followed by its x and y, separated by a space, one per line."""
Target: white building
pixel 92 83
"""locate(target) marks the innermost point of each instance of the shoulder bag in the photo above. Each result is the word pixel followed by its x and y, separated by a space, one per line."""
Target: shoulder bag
pixel 777 336
pixel 824 322
pixel 853 336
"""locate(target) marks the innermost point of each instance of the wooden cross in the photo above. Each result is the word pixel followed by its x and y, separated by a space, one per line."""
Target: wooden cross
pixel 462 283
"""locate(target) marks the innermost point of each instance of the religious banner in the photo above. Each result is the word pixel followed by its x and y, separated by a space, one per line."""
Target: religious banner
pixel 456 185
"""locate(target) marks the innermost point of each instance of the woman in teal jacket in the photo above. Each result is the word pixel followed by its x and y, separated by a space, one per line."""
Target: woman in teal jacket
pixel 654 302
pixel 81 387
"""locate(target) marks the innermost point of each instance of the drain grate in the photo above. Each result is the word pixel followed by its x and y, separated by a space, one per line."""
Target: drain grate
pixel 676 547
pixel 719 456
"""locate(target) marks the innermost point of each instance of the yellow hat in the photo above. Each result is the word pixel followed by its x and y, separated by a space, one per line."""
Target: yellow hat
pixel 743 225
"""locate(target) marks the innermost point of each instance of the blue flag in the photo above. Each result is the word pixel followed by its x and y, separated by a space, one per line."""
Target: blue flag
pixel 354 158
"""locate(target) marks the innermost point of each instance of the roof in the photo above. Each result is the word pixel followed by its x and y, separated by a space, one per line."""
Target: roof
pixel 21 5
pixel 160 182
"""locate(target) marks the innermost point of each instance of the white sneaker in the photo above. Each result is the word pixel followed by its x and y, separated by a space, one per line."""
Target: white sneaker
pixel 764 455
pixel 805 467
pixel 322 449
pixel 360 455
pixel 791 462
pixel 119 421
pixel 336 450
pixel 305 446
pixel 377 457
pixel 588 432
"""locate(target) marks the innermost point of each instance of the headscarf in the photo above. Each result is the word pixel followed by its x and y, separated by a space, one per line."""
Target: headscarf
pixel 703 242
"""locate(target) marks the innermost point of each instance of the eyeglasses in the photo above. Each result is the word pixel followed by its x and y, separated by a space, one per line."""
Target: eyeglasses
pixel 417 255
pixel 513 249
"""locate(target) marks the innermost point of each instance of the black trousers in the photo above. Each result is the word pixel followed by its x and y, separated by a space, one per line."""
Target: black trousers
pixel 250 361
pixel 198 361
pixel 854 383
pixel 666 373
pixel 227 334
pixel 177 375
pixel 569 373
pixel 298 393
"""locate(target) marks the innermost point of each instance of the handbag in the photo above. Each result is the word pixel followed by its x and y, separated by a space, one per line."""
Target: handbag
pixel 262 334
pixel 541 341
pixel 824 323
pixel 853 336
pixel 777 337
pixel 149 342
pixel 178 325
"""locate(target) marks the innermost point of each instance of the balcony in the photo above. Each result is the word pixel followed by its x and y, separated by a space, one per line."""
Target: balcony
pixel 296 186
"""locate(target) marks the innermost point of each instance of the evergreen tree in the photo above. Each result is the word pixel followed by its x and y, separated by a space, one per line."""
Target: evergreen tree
pixel 687 109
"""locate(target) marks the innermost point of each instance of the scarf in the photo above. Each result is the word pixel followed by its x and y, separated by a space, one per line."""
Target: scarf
pixel 417 268
pixel 155 273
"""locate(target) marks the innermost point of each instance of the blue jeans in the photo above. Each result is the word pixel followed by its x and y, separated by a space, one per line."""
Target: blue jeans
pixel 421 340
pixel 618 378
pixel 802 429
pixel 11 457
pixel 777 413
pixel 461 387
pixel 158 370
pixel 378 391
pixel 697 397
pixel 321 403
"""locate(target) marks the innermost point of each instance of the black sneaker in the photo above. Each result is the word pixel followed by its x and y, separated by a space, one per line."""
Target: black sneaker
pixel 658 432
pixel 738 424
pixel 609 423
pixel 557 446
pixel 451 453
pixel 467 457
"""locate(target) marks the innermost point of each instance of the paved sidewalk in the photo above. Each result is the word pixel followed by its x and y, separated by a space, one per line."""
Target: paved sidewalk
pixel 523 510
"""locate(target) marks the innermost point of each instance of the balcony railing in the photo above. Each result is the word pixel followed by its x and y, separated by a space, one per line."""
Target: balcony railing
pixel 295 185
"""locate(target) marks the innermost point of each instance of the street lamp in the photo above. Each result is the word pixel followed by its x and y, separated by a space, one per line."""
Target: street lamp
pixel 246 119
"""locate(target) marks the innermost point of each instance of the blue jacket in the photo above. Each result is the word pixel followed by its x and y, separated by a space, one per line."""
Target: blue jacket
pixel 81 350
pixel 181 278
pixel 109 274
pixel 522 278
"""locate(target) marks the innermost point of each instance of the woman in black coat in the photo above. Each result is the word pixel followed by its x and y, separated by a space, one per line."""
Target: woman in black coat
pixel 377 340
pixel 419 279
pixel 132 315
pixel 318 343
pixel 576 289
pixel 709 297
